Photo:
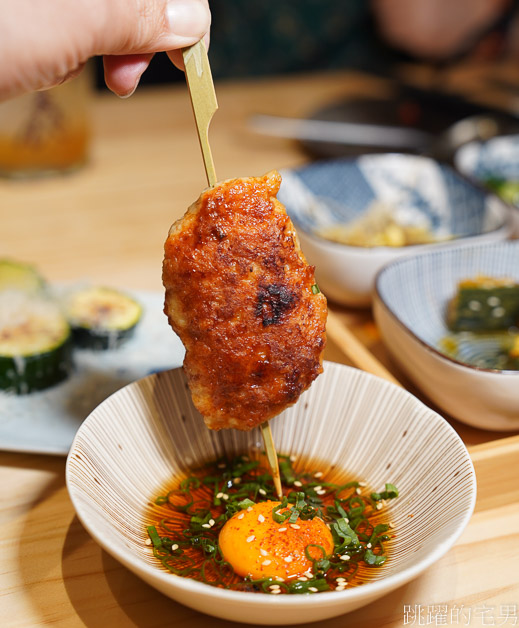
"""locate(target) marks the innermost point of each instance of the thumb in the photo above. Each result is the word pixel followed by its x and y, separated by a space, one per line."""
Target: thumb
pixel 163 25
pixel 146 26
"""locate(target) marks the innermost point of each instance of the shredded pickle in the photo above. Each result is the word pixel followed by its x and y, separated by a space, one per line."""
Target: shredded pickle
pixel 184 538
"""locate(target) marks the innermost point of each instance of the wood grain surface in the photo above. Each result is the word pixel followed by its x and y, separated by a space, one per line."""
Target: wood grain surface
pixel 107 222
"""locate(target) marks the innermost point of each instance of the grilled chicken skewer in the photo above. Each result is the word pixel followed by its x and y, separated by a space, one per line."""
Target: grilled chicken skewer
pixel 244 302
pixel 203 99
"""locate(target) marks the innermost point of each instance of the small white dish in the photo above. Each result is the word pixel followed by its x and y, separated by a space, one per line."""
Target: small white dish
pixel 410 310
pixel 46 421
pixel 145 434
pixel 418 190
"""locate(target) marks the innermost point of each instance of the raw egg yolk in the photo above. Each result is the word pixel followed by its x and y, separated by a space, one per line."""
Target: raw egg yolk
pixel 255 545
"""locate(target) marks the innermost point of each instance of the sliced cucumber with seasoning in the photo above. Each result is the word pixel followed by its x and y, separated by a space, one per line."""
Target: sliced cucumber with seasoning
pixel 484 304
pixel 101 318
pixel 20 276
pixel 35 343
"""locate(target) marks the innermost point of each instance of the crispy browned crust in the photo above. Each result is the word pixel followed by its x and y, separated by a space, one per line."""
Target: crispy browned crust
pixel 239 295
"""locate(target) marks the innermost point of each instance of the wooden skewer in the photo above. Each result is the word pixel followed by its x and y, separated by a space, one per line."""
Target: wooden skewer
pixel 204 103
pixel 203 100
pixel 272 457
pixel 353 349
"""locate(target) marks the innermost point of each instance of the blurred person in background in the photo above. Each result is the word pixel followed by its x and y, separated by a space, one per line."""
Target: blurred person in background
pixel 446 30
pixel 268 37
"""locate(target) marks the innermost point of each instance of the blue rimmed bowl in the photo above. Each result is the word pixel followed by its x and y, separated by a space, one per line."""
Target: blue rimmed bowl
pixel 410 310
pixel 493 160
pixel 419 190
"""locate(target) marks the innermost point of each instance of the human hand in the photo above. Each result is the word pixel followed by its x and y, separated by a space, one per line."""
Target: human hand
pixel 434 29
pixel 46 43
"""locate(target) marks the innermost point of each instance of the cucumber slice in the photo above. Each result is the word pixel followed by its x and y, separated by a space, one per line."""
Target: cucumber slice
pixel 484 304
pixel 20 276
pixel 101 318
pixel 35 343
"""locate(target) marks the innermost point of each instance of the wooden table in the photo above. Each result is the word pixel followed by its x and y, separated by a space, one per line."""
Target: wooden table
pixel 107 223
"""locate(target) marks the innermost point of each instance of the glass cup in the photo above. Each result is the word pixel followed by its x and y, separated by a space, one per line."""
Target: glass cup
pixel 47 132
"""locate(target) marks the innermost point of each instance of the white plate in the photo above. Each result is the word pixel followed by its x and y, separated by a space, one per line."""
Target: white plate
pixel 47 421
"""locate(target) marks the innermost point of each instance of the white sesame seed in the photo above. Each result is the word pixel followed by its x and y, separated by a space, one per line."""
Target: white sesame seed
pixel 280 579
pixel 225 496
pixel 211 522
pixel 262 491
pixel 219 495
pixel 379 506
pixel 236 480
pixel 293 458
pixel 302 579
pixel 368 545
pixel 298 483
pixel 275 591
pixel 174 546
pixel 475 306
pixel 498 312
pixel 249 509
pixel 263 552
pixel 288 559
pixel 346 519
pixel 261 518
pixel 309 574
pixel 358 491
pixel 295 526
pixel 319 474
pixel 241 515
pixel 493 301
pixel 391 524
pixel 281 529
pixel 321 492
pixel 340 580
pixel 345 557
pixel 274 586
pixel 340 587
pixel 148 541
pixel 318 488
pixel 205 525
pixel 313 589
pixel 250 538
pixel 362 483
pixel 266 562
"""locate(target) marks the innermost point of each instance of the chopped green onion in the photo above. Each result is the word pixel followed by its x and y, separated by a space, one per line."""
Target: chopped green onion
pixel 245 503
pixel 287 473
pixel 390 493
pixel 154 536
pixel 306 587
pixel 372 559
pixel 315 289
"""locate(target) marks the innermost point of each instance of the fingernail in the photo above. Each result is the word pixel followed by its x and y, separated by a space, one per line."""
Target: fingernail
pixel 130 93
pixel 186 18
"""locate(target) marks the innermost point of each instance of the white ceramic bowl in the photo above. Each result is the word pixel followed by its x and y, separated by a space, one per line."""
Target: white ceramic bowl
pixel 335 192
pixel 409 308
pixel 496 158
pixel 144 434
